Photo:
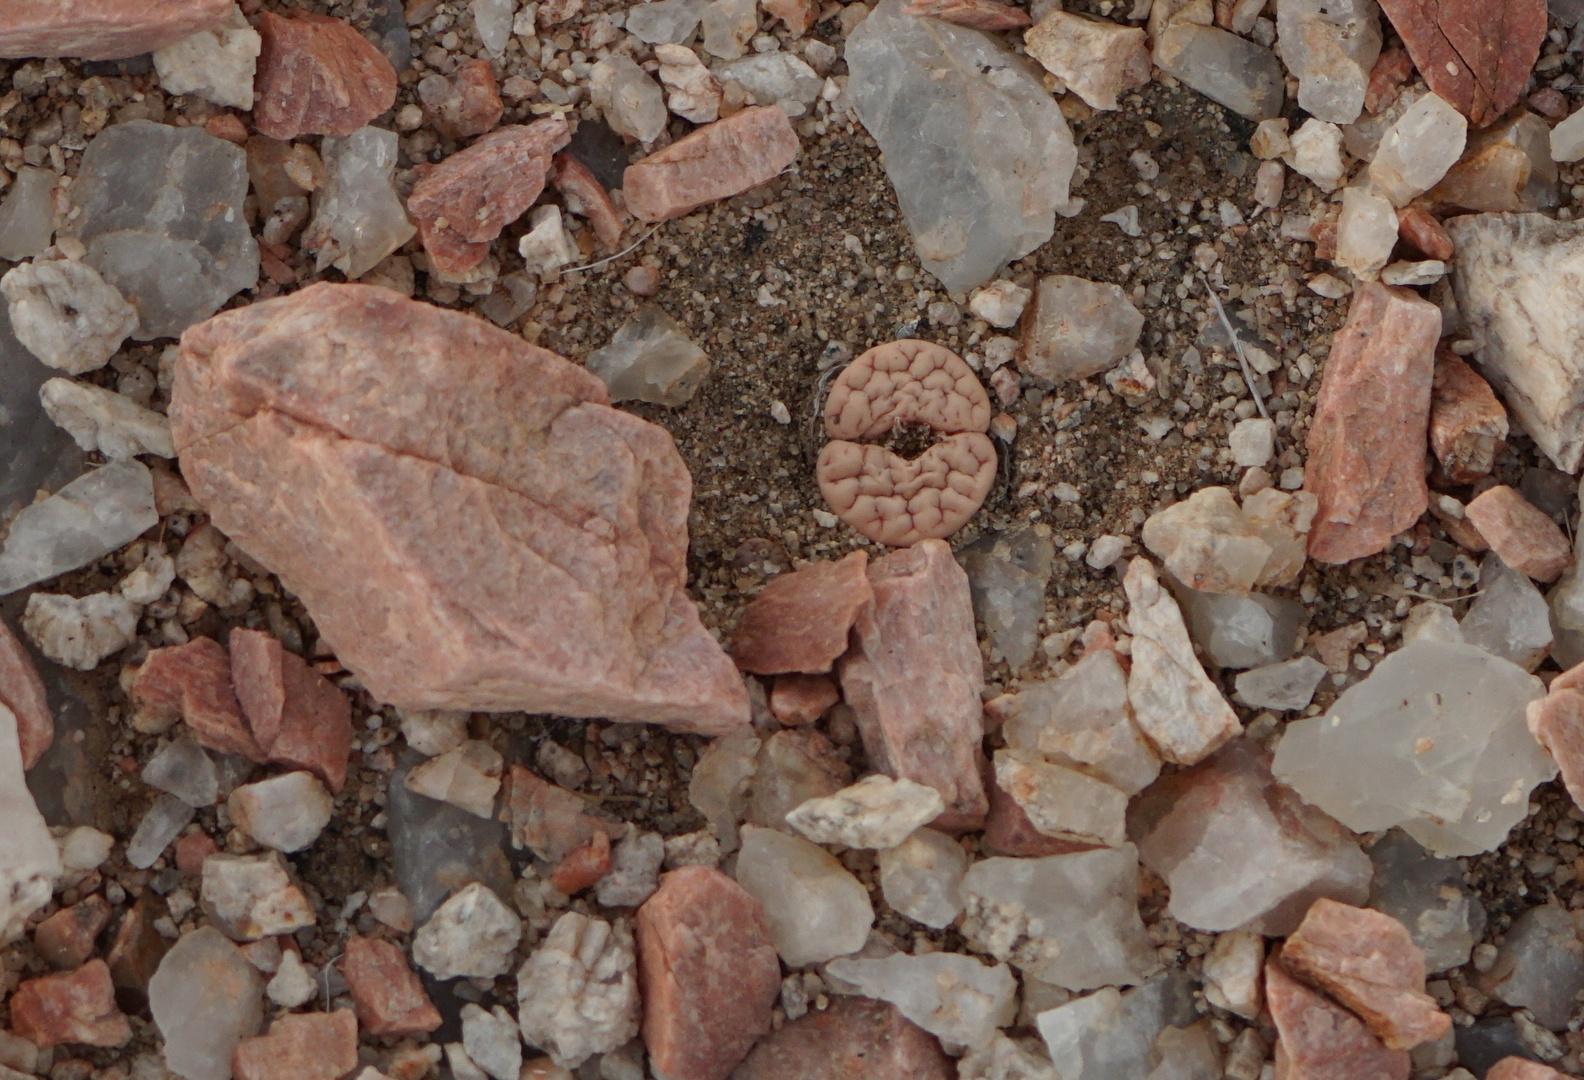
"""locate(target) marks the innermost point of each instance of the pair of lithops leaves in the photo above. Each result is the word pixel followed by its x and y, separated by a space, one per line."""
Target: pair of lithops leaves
pixel 884 496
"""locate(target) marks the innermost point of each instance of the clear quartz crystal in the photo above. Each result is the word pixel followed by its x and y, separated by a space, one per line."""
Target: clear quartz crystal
pixel 358 217
pixel 85 520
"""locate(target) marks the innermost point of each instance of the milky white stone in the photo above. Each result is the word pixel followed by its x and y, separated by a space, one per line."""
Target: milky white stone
pixel 1107 1035
pixel 205 998
pixel 433 731
pixel 1253 441
pixel 775 78
pixel 1315 151
pixel 468 776
pixel 285 813
pixel 922 878
pixel 635 870
pixel 1567 139
pixel 1207 543
pixel 103 420
pixel 1435 740
pixel 694 94
pixel 1417 150
pixel 665 22
pixel 1177 706
pixel 252 896
pixel 954 997
pixel 1061 801
pixel 184 769
pixel 546 247
pixel 1330 47
pixel 1233 970
pixel 493 19
pixel 79 632
pixel 815 908
pixel 471 934
pixel 577 995
pixel 27 216
pixel 358 217
pixel 718 788
pixel 1000 303
pixel 493 1041
pixel 1289 685
pixel 84 848
pixel 728 26
pixel 1069 920
pixel 66 314
pixel 163 822
pixel 30 863
pixel 218 65
pixel 1509 618
pixel 974 144
pixel 1224 67
pixel 876 812
pixel 1003 1059
pixel 1084 719
pixel 151 580
pixel 1366 232
pixel 1427 272
pixel 293 983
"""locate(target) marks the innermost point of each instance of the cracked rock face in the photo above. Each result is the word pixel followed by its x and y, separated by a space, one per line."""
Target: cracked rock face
pixel 470 523
pixel 102 29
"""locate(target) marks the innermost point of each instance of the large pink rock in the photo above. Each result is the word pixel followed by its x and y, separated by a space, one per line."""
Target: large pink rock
pixel 1557 721
pixel 22 691
pixel 715 162
pixel 1367 961
pixel 74 1007
pixel 1367 441
pixel 914 678
pixel 708 971
pixel 102 29
pixel 469 523
pixel 462 204
pixel 799 621
pixel 298 717
pixel 855 1039
pixel 1319 1040
pixel 1475 54
pixel 318 76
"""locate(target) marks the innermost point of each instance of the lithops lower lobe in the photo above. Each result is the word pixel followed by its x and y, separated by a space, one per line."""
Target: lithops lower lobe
pixel 887 497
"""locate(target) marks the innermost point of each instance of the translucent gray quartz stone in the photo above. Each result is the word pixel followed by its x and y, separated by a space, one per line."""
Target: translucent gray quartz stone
pixel 1241 631
pixel 161 215
pixel 34 452
pixel 436 846
pixel 1007 575
pixel 974 144
pixel 85 520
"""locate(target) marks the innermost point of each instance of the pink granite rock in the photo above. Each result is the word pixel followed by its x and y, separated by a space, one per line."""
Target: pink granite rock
pixel 22 691
pixel 298 717
pixel 1367 441
pixel 914 675
pixel 989 15
pixel 1525 538
pixel 1557 721
pixel 387 994
pixel 1517 1068
pixel 462 204
pixel 799 621
pixel 802 699
pixel 708 972
pixel 468 521
pixel 1318 1040
pixel 467 104
pixel 714 162
pixel 1367 961
pixel 586 196
pixel 317 76
pixel 75 1007
pixel 855 1039
pixel 102 29
pixel 550 821
pixel 192 682
pixel 1467 423
pixel 1476 55
pixel 300 1046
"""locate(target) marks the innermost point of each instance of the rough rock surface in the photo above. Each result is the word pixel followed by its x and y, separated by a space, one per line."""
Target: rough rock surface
pixel 304 1046
pixel 1367 442
pixel 953 996
pixel 206 997
pixel 30 864
pixel 297 716
pixel 1524 536
pixel 713 162
pixel 102 29
pixel 22 691
pixel 709 974
pixel 1077 328
pixel 799 621
pixel 478 191
pixel 72 1007
pixel 577 995
pixel 192 682
pixel 1475 55
pixel 1097 59
pixel 974 144
pixel 914 678
pixel 854 1038
pixel 318 76
pixel 1467 423
pixel 1316 1038
pixel 814 908
pixel 1514 272
pixel 387 994
pixel 1368 963
pixel 1177 706
pixel 66 313
pixel 595 512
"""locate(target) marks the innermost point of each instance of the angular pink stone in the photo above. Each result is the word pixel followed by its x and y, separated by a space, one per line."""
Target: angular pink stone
pixel 1318 1040
pixel 102 29
pixel 715 162
pixel 73 1007
pixel 1475 54
pixel 468 521
pixel 708 971
pixel 1367 961
pixel 1557 721
pixel 298 717
pixel 1367 441
pixel 914 678
pixel 318 76
pixel 22 691
pixel 193 682
pixel 300 1046
pixel 799 621
pixel 1520 532
pixel 1517 1068
pixel 855 1037
pixel 462 204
